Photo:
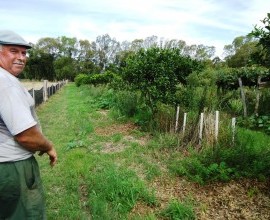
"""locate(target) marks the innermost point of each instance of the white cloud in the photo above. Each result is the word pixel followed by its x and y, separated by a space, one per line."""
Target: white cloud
pixel 208 22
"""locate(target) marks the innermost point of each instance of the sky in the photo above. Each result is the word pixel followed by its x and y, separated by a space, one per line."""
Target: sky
pixel 209 22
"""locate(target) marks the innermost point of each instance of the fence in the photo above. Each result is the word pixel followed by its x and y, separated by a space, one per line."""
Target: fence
pixel 196 129
pixel 41 95
pixel 206 127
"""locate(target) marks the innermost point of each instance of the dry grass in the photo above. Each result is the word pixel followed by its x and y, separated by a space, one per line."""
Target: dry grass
pixel 36 84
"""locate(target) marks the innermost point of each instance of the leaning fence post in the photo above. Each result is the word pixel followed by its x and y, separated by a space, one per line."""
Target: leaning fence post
pixel 233 129
pixel 216 125
pixel 177 118
pixel 201 129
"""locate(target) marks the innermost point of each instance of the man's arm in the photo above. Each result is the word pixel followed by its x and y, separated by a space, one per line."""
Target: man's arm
pixel 33 140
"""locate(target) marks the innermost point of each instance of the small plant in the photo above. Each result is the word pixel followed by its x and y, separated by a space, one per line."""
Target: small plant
pixel 75 144
pixel 259 123
pixel 177 210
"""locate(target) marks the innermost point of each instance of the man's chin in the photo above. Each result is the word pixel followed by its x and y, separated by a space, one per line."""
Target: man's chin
pixel 17 72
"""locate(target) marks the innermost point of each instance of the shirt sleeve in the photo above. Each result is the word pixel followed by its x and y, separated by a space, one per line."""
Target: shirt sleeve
pixel 15 110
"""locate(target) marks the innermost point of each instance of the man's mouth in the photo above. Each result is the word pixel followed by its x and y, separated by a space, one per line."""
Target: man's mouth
pixel 19 64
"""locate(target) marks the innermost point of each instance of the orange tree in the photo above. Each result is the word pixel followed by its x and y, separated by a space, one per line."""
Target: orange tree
pixel 156 72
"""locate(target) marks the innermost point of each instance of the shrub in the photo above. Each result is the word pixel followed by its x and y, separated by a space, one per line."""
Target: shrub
pixel 81 79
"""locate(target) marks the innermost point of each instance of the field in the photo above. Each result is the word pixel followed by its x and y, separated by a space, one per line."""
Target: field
pixel 36 84
pixel 112 170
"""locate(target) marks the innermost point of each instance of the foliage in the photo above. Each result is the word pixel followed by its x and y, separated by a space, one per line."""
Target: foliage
pixel 248 157
pixel 227 78
pixel 72 119
pixel 94 79
pixel 263 34
pixel 64 68
pixel 241 53
pixel 81 79
pixel 102 78
pixel 125 103
pixel 40 67
pixel 177 210
pixel 156 73
pixel 256 122
pixel 117 190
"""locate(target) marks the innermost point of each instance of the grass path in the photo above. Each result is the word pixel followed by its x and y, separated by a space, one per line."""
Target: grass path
pixel 111 170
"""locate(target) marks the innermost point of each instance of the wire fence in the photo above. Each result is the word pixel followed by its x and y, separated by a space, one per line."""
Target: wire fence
pixel 42 94
pixel 198 128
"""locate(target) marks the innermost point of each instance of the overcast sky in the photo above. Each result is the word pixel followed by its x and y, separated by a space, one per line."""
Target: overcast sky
pixel 209 22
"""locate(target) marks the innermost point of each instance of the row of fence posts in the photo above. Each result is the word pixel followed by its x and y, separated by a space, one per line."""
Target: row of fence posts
pixel 201 122
pixel 47 91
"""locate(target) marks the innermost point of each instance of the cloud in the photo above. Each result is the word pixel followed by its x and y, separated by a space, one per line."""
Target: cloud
pixel 208 22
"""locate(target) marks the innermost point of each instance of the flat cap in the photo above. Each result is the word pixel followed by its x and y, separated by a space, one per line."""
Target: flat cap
pixel 11 38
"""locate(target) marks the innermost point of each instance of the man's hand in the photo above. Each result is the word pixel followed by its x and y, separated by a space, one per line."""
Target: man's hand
pixel 52 155
pixel 33 140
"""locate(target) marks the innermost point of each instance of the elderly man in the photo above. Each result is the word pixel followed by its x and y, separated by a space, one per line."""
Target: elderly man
pixel 21 193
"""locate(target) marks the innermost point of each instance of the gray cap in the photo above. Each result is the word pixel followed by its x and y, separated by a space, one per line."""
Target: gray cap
pixel 11 38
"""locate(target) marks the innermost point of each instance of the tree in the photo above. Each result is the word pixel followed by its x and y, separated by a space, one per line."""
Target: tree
pixel 241 52
pixel 47 45
pixel 263 34
pixel 64 68
pixel 85 58
pixel 68 46
pixel 40 67
pixel 105 49
pixel 156 73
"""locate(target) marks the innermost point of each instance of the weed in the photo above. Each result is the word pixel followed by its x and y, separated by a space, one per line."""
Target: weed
pixel 177 210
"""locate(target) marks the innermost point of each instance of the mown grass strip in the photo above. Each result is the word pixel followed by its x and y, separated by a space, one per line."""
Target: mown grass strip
pixel 88 183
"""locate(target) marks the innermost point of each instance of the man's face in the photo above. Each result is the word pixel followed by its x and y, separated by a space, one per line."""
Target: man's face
pixel 13 58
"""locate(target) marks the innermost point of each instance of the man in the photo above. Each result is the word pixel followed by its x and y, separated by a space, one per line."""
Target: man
pixel 21 193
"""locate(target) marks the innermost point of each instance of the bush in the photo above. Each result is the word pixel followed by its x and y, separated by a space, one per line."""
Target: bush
pixel 95 79
pixel 125 103
pixel 248 157
pixel 81 79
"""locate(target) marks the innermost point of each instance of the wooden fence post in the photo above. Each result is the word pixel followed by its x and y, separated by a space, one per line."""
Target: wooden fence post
pixel 201 129
pixel 177 118
pixel 233 129
pixel 243 97
pixel 33 95
pixel 45 93
pixel 216 125
pixel 184 123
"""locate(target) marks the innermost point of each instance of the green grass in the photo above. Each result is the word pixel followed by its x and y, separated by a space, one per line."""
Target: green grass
pixel 105 171
pixel 88 183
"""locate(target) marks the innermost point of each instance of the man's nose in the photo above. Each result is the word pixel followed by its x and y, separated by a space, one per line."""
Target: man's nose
pixel 21 56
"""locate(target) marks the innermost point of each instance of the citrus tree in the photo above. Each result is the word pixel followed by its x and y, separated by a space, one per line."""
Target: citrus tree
pixel 156 72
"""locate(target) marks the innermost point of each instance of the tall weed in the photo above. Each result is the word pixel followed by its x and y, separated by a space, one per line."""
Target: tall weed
pixel 249 157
